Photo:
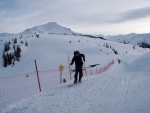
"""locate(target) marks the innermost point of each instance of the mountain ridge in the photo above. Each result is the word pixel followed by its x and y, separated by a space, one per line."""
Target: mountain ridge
pixel 142 40
pixel 5 34
pixel 50 27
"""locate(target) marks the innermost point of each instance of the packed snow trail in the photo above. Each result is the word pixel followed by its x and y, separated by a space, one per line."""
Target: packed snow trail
pixel 104 93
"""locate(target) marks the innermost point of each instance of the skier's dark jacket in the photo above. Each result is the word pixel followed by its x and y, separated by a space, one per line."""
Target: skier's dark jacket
pixel 78 59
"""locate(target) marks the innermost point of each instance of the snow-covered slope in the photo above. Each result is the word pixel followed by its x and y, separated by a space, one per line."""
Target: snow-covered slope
pixel 116 91
pixel 134 39
pixel 51 28
pixel 51 50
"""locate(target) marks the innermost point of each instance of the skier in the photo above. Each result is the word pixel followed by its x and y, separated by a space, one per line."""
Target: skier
pixel 78 59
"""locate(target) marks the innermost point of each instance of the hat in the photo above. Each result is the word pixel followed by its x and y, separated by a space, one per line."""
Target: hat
pixel 76 52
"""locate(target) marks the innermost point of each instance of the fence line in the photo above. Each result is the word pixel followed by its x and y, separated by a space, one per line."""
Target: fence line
pixel 17 87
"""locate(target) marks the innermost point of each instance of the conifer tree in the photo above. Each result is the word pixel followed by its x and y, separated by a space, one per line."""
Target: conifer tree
pixel 6 47
pixel 9 42
pixel 14 47
pixel 9 59
pixel 26 43
pixel 15 41
pixel 17 53
pixel 4 60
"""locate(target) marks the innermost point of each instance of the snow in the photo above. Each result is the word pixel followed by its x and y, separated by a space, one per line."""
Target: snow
pixel 132 38
pixel 141 64
pixel 50 47
pixel 106 93
pixel 51 27
pixel 124 88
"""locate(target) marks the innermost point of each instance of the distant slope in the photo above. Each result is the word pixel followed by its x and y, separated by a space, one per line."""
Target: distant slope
pixel 142 40
pixel 4 34
pixel 51 28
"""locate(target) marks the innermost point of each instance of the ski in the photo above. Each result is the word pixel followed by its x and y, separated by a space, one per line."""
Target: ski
pixel 73 84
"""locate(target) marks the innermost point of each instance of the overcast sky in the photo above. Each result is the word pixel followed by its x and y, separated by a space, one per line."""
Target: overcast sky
pixel 106 17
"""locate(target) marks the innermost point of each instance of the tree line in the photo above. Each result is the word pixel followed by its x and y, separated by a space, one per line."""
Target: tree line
pixel 10 55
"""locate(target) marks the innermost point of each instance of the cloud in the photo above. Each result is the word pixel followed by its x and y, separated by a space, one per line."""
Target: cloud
pixel 18 15
pixel 132 15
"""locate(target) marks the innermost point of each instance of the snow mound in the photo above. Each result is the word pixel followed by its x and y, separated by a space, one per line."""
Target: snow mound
pixel 141 64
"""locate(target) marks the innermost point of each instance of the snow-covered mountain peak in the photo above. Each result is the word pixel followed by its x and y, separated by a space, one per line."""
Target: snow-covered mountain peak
pixel 51 27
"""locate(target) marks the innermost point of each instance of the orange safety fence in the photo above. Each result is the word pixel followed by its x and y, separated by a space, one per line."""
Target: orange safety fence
pixel 15 88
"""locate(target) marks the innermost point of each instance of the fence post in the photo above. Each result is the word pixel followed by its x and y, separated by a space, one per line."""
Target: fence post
pixel 60 77
pixel 100 70
pixel 37 75
pixel 85 68
pixel 96 70
pixel 69 68
pixel 61 68
pixel 91 70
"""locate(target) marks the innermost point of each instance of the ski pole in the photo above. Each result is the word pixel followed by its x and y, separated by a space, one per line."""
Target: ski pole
pixel 69 68
pixel 85 68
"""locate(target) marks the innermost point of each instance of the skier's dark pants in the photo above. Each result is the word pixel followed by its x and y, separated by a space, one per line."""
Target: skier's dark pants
pixel 78 70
